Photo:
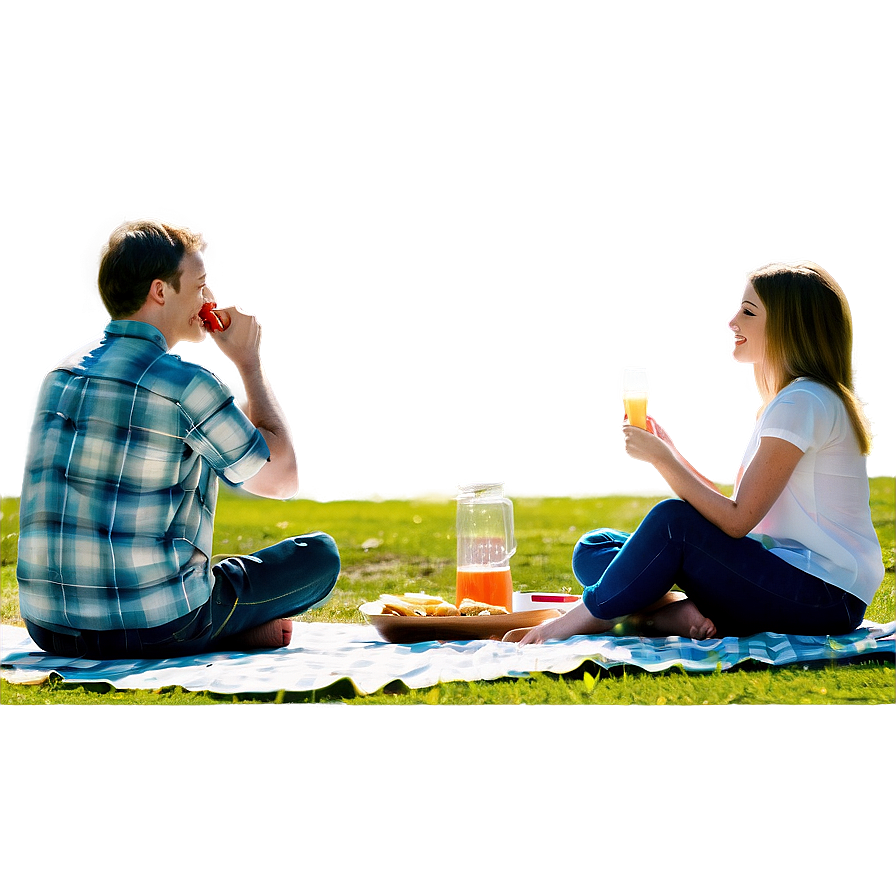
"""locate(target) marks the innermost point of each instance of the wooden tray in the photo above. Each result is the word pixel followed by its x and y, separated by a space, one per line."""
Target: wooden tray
pixel 414 629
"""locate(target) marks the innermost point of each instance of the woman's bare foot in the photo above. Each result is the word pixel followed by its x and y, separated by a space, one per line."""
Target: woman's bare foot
pixel 578 621
pixel 273 634
pixel 680 617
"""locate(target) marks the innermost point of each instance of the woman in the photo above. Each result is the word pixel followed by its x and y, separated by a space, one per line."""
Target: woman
pixel 794 550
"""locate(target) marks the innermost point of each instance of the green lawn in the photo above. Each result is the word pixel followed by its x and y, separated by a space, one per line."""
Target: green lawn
pixel 397 546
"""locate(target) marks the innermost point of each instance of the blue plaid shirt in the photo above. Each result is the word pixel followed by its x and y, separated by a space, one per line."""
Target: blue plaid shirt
pixel 120 487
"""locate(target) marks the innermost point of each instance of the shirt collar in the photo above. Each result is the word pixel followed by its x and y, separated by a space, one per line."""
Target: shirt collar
pixel 137 329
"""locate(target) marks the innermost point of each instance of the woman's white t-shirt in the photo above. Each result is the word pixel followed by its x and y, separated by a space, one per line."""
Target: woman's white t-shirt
pixel 821 522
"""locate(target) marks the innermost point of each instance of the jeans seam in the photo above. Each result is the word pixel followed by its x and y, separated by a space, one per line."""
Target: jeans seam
pixel 229 615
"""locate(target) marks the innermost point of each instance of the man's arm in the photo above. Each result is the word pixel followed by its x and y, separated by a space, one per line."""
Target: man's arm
pixel 279 478
pixel 241 342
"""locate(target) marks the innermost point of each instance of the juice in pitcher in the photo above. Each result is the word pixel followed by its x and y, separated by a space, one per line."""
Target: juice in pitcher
pixel 485 544
pixel 487 585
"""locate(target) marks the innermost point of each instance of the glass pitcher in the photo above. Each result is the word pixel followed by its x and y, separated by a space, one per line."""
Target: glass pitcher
pixel 485 544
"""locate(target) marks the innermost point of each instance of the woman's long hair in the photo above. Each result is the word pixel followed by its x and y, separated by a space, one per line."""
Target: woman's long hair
pixel 808 333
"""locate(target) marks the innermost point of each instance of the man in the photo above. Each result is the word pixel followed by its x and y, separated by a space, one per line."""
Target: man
pixel 120 485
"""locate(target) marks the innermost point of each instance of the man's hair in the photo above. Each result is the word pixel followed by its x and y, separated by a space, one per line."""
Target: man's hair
pixel 808 333
pixel 137 253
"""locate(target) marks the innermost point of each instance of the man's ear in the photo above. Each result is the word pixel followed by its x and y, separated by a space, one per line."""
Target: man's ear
pixel 157 290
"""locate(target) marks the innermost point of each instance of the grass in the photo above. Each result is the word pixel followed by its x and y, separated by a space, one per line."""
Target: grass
pixel 397 546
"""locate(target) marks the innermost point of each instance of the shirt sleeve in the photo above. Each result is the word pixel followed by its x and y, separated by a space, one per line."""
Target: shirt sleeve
pixel 799 417
pixel 221 432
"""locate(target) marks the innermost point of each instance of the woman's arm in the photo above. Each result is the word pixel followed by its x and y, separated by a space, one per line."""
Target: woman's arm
pixel 759 487
pixel 661 433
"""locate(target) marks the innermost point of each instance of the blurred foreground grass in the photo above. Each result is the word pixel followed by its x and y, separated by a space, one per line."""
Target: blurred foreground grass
pixel 398 546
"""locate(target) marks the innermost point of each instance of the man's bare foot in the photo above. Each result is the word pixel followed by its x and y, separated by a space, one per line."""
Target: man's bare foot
pixel 680 617
pixel 273 634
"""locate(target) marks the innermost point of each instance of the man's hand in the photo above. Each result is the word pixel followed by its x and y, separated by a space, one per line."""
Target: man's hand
pixel 240 340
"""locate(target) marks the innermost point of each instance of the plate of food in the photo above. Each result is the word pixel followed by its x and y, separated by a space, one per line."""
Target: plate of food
pixel 412 618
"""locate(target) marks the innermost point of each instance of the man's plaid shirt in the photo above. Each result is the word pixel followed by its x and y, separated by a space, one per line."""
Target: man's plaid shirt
pixel 120 486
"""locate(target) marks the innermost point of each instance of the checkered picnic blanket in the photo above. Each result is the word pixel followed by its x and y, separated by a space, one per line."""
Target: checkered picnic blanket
pixel 322 654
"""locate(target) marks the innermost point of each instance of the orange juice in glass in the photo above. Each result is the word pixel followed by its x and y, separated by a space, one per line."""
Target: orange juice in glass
pixel 634 396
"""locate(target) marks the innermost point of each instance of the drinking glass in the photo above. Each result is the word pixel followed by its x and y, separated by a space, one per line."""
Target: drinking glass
pixel 634 395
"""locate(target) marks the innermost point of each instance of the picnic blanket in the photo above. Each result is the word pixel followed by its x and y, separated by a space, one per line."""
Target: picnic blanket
pixel 322 654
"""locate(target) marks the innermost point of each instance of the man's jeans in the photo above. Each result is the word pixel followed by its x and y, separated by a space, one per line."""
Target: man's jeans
pixel 279 581
pixel 736 582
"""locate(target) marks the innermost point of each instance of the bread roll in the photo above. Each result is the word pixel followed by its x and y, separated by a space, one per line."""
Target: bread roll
pixel 477 608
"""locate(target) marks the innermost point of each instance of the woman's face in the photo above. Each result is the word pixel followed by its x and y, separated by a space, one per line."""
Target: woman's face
pixel 749 328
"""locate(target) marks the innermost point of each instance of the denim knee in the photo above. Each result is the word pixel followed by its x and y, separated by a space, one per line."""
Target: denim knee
pixel 325 560
pixel 593 553
pixel 671 512
pixel 669 505
pixel 330 558
pixel 598 538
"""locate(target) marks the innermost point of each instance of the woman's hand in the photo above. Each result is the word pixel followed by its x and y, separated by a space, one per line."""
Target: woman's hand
pixel 641 444
pixel 658 431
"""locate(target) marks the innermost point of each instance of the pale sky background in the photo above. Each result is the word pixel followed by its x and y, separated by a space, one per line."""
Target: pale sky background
pixel 458 223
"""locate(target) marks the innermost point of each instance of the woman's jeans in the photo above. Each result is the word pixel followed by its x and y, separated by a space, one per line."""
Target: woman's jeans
pixel 279 581
pixel 736 582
